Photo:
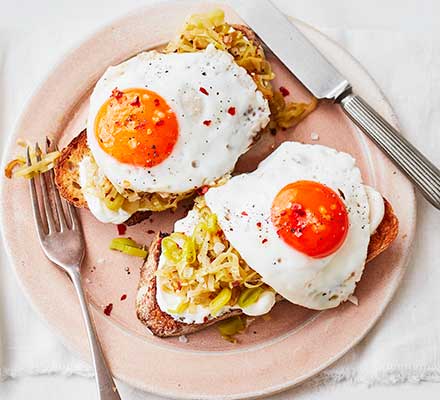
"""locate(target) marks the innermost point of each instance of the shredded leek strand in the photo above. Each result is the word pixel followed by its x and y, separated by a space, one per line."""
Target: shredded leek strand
pixel 220 301
pixel 114 200
pixel 128 246
pixel 231 326
pixel 249 296
pixel 19 168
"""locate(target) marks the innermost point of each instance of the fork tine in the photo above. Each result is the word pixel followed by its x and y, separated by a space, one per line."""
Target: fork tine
pixel 46 201
pixel 76 224
pixel 35 205
pixel 58 204
pixel 75 221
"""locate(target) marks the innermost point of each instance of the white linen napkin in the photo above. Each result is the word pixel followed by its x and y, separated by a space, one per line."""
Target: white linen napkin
pixel 404 60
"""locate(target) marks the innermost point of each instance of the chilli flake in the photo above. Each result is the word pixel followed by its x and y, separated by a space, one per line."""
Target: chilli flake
pixel 231 110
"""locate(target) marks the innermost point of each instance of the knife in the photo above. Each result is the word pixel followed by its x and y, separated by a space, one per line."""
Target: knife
pixel 325 82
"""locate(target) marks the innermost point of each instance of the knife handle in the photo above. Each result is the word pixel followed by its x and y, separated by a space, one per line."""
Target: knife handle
pixel 424 174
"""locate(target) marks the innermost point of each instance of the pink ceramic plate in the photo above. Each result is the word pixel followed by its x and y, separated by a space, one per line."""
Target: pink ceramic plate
pixel 271 356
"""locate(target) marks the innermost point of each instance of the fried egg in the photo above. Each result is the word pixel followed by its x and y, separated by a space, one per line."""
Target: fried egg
pixel 303 221
pixel 173 122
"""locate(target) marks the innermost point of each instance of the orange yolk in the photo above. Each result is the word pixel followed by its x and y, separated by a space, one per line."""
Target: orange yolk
pixel 310 217
pixel 137 127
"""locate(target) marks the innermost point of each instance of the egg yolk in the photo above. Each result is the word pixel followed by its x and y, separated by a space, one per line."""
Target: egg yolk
pixel 310 217
pixel 136 127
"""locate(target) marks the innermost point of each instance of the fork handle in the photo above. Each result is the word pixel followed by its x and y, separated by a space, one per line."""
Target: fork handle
pixel 424 174
pixel 107 389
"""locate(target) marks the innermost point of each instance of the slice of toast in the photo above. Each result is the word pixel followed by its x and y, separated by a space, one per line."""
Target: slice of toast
pixel 163 325
pixel 67 176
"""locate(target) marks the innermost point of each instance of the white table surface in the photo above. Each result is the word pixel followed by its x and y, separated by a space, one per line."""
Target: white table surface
pixel 59 25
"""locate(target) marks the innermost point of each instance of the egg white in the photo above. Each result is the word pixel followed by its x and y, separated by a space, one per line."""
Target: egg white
pixel 202 153
pixel 317 283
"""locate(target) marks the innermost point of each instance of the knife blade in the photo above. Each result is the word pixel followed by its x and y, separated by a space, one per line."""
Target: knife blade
pixel 293 49
pixel 324 81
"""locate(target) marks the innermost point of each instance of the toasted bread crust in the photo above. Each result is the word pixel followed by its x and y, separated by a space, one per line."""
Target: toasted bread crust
pixel 67 170
pixel 163 325
pixel 67 176
pixel 385 233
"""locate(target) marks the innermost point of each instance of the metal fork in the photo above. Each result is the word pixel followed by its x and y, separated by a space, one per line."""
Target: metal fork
pixel 61 237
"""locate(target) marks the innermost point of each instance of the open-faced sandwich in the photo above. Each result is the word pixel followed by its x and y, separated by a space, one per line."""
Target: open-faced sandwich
pixel 165 123
pixel 300 227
